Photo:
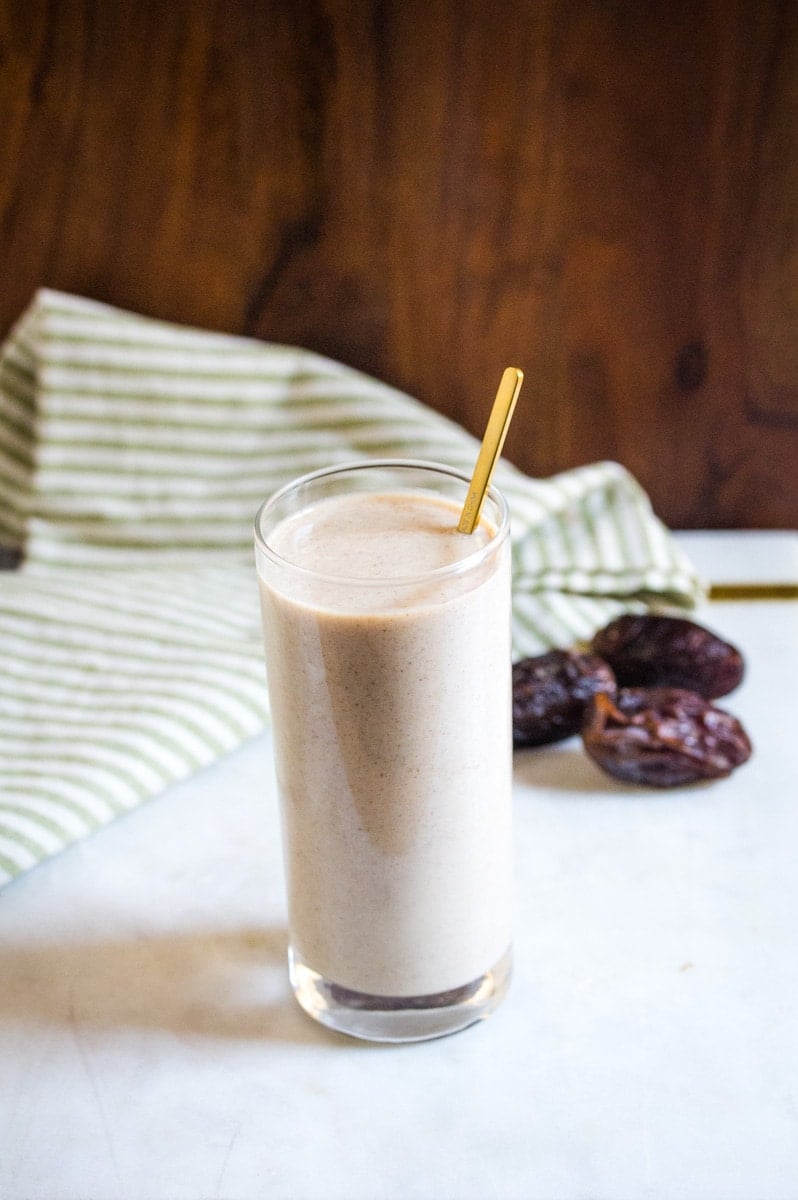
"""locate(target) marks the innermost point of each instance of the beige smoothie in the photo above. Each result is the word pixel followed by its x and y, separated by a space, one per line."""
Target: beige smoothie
pixel 389 678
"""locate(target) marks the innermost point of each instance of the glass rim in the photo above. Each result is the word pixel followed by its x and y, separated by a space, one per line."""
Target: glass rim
pixel 461 566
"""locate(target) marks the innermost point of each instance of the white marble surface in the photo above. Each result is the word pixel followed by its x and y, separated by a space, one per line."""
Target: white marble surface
pixel 648 1048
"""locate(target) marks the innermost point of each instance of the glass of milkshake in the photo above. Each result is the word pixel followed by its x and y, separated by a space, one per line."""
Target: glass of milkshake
pixel 387 639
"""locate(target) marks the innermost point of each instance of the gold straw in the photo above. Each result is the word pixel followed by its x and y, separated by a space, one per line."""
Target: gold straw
pixel 492 442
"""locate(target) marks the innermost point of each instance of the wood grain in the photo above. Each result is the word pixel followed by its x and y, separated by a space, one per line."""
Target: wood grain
pixel 603 193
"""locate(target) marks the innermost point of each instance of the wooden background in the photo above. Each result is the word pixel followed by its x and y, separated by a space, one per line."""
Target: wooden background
pixel 603 193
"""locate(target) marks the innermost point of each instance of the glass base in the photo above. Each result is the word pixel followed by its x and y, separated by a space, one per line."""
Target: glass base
pixel 398 1018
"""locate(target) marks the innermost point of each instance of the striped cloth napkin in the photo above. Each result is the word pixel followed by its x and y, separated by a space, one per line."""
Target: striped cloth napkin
pixel 133 456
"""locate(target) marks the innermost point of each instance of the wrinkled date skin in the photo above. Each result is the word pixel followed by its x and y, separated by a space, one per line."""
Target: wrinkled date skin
pixel 663 737
pixel 550 693
pixel 658 651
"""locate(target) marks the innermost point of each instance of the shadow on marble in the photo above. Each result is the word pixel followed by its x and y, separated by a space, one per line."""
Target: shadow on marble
pixel 568 768
pixel 564 767
pixel 216 984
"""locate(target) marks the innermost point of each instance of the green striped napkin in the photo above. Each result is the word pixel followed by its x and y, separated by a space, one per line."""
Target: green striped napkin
pixel 133 456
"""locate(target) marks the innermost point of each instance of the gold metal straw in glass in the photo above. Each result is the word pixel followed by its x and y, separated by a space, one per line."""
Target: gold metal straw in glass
pixel 492 442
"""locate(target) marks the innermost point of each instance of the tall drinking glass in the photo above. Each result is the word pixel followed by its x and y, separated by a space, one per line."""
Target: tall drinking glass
pixel 387 639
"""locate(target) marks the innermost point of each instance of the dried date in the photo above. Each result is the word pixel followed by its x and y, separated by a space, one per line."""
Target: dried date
pixel 649 650
pixel 550 693
pixel 663 737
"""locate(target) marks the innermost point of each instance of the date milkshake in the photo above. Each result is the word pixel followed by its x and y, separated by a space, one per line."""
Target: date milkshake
pixel 387 638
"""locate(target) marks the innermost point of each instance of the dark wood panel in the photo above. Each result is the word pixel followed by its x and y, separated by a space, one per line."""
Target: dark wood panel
pixel 601 192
